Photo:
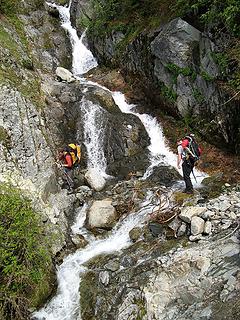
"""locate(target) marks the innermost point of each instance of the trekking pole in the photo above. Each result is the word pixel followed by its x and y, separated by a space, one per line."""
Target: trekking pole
pixel 194 176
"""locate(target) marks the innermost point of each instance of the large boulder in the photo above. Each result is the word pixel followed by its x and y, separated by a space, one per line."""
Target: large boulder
pixel 65 74
pixel 95 179
pixel 187 213
pixel 101 215
pixel 164 175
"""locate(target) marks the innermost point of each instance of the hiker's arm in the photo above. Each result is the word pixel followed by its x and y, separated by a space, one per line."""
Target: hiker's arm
pixel 179 159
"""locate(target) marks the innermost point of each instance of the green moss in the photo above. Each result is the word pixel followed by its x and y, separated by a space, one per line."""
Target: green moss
pixel 5 139
pixel 142 308
pixel 198 95
pixel 88 294
pixel 168 93
pixel 25 260
pixel 8 42
pixel 206 76
pixel 180 197
pixel 18 56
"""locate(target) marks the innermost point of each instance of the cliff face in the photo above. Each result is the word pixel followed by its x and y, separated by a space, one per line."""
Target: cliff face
pixel 179 64
pixel 40 114
pixel 29 57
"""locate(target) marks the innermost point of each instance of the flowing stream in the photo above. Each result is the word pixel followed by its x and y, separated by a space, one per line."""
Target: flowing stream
pixel 66 304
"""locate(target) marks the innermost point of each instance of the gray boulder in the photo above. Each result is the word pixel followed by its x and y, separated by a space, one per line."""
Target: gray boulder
pixel 101 214
pixel 65 75
pixel 95 179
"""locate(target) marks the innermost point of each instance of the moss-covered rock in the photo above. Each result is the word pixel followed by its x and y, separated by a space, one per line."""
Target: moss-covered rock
pixel 25 260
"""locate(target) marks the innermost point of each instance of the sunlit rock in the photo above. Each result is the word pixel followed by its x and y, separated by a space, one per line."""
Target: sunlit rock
pixel 102 215
pixel 65 74
pixel 95 179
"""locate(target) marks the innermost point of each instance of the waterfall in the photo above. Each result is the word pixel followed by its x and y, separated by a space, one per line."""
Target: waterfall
pixel 82 58
pixel 94 123
pixel 159 152
pixel 65 305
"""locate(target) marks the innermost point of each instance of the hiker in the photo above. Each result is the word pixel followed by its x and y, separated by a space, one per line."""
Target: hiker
pixel 69 158
pixel 187 160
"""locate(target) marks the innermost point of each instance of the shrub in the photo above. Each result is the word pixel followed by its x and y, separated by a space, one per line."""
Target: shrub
pixel 25 262
pixel 8 6
pixel 213 13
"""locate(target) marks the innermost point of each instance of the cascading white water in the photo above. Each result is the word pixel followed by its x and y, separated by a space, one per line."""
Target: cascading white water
pixel 82 58
pixel 65 305
pixel 94 124
pixel 159 151
pixel 93 118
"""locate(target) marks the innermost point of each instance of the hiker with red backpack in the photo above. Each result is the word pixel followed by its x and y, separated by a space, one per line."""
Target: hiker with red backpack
pixel 188 153
pixel 69 158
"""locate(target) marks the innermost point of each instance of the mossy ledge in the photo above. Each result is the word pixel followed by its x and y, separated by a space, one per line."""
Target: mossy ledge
pixel 27 276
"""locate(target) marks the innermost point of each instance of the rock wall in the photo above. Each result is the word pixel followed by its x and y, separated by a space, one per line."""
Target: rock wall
pixel 177 62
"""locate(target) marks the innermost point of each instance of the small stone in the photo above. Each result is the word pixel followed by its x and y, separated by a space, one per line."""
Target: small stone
pixel 113 265
pixel 188 212
pixel 195 238
pixel 197 225
pixel 135 234
pixel 207 214
pixel 226 224
pixel 207 227
pixel 182 230
pixel 104 277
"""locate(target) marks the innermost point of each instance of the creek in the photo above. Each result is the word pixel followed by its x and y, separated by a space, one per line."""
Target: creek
pixel 65 304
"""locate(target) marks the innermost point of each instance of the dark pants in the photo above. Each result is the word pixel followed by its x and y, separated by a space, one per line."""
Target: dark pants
pixel 68 177
pixel 187 167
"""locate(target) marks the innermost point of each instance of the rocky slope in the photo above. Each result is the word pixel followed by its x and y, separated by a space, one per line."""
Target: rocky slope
pixel 160 278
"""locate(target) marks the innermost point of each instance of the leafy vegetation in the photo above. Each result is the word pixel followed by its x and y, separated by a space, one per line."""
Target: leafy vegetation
pixel 8 6
pixel 11 7
pixel 127 15
pixel 213 13
pixel 25 261
pixel 168 93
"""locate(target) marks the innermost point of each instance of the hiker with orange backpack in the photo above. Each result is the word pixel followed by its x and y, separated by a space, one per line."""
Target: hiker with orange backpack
pixel 69 158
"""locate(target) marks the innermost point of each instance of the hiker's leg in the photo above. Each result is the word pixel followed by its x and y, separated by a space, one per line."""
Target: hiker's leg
pixel 187 169
pixel 69 177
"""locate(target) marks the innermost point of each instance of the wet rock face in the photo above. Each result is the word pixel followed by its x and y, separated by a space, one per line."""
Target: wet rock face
pixel 124 137
pixel 164 175
pixel 178 61
pixel 184 64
